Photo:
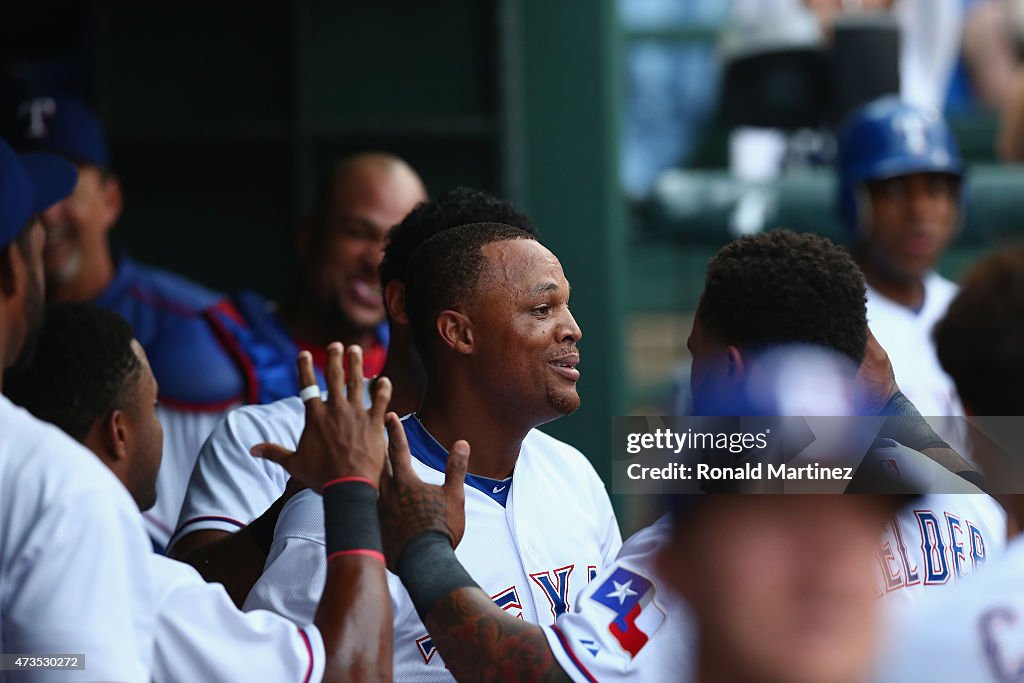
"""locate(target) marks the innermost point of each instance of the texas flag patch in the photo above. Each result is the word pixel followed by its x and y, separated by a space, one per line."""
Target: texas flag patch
pixel 637 616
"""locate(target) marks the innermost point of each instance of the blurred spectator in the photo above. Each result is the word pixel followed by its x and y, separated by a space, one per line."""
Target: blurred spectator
pixel 983 77
pixel 930 41
pixel 930 32
pixel 1010 141
pixel 670 88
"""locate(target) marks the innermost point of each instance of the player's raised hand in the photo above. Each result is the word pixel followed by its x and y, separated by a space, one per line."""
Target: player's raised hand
pixel 341 437
pixel 409 507
pixel 876 380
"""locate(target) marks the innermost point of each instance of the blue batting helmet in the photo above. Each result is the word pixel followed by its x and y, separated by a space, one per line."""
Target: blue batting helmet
pixel 888 138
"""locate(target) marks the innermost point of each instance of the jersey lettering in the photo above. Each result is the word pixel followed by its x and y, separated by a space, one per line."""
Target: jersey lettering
pixel 508 600
pixel 893 579
pixel 960 536
pixel 977 546
pixel 591 573
pixel 993 624
pixel 555 590
pixel 956 545
pixel 427 649
pixel 912 578
pixel 933 548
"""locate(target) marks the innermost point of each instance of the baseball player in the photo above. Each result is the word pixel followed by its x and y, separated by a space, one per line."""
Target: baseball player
pixel 336 295
pixel 488 308
pixel 198 376
pixel 229 488
pixel 972 632
pixel 901 195
pixel 337 291
pixel 629 622
pixel 59 594
pixel 94 381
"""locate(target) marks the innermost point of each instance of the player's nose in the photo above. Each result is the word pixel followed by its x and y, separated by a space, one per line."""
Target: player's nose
pixel 569 331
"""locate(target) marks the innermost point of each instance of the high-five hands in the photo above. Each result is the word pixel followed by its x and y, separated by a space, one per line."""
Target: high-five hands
pixel 342 438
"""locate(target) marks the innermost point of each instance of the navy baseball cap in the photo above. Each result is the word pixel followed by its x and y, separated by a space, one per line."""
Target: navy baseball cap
pixel 29 184
pixel 62 125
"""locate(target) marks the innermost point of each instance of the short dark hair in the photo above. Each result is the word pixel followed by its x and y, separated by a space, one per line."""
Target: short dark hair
pixel 445 272
pixel 460 206
pixel 83 370
pixel 980 340
pixel 781 287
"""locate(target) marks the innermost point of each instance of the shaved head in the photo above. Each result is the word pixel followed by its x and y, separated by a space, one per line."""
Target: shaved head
pixel 377 173
pixel 364 196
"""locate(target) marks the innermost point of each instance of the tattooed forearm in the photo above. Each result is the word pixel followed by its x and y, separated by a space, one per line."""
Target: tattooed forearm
pixel 480 642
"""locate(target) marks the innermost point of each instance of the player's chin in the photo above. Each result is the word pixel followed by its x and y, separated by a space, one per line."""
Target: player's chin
pixel 565 401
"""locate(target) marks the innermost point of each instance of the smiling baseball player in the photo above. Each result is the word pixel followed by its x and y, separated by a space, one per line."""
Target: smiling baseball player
pixel 539 524
pixel 229 488
pixel 629 624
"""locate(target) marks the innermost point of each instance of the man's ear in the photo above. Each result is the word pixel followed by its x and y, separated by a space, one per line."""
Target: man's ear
pixel 735 364
pixel 113 199
pixel 119 434
pixel 456 330
pixel 108 438
pixel 394 301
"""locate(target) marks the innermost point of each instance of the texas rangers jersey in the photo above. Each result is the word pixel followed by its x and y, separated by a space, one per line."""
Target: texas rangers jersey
pixel 906 335
pixel 199 378
pixel 627 624
pixel 533 542
pixel 937 542
pixel 184 433
pixel 202 636
pixel 229 487
pixel 940 538
pixel 73 572
pixel 970 633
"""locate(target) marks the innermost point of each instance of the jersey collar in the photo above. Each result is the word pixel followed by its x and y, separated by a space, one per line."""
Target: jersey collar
pixel 428 451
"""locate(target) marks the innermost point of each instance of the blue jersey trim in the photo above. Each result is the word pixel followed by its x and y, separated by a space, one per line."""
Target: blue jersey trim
pixel 427 450
pixel 572 655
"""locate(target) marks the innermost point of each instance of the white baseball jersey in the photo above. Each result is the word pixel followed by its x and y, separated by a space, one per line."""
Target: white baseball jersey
pixel 940 538
pixel 533 542
pixel 202 636
pixel 229 487
pixel 184 435
pixel 974 632
pixel 938 542
pixel 906 335
pixel 628 624
pixel 73 572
